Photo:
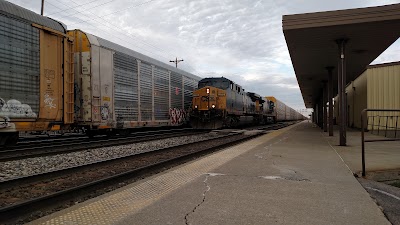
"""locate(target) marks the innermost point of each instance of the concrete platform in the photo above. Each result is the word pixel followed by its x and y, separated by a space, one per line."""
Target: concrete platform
pixel 378 155
pixel 244 132
pixel 290 176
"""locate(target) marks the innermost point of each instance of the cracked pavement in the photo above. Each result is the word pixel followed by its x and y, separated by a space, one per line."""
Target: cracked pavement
pixel 203 200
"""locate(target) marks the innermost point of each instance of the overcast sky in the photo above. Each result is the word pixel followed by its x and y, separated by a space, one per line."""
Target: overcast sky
pixel 238 39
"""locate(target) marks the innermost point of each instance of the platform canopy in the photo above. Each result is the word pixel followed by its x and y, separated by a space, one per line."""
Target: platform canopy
pixel 311 40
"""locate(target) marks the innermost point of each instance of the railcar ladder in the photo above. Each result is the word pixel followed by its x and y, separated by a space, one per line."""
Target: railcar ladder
pixel 68 82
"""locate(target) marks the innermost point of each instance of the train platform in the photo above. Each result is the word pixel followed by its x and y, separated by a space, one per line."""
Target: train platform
pixel 295 175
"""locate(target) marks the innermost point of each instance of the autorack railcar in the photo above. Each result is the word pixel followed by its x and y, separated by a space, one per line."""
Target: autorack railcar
pixel 282 112
pixel 117 88
pixel 36 73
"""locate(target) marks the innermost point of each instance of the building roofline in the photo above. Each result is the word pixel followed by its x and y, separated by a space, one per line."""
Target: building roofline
pixel 383 65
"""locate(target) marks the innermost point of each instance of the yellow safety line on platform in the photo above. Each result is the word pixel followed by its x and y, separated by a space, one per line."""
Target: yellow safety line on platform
pixel 119 204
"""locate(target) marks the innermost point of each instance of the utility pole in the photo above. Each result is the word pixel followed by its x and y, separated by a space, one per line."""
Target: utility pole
pixel 176 61
pixel 42 8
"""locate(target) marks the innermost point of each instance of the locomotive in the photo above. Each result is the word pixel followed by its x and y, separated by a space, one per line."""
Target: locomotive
pixel 56 80
pixel 219 102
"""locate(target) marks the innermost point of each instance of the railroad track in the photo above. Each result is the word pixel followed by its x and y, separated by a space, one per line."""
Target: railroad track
pixel 274 126
pixel 23 196
pixel 29 150
pixel 42 137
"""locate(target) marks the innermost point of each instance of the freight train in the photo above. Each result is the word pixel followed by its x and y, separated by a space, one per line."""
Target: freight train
pixel 52 79
pixel 219 102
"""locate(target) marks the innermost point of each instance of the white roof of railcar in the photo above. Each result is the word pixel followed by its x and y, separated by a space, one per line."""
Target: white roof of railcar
pixel 19 12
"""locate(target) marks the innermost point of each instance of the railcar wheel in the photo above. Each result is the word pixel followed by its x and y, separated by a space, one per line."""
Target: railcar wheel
pixel 3 140
pixel 124 132
pixel 90 133
pixel 8 139
pixel 12 139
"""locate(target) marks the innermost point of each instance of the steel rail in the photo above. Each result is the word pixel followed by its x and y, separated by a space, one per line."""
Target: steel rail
pixel 72 138
pixel 71 146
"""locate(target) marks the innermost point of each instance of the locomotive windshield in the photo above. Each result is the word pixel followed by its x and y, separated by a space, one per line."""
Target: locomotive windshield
pixel 218 83
pixel 271 105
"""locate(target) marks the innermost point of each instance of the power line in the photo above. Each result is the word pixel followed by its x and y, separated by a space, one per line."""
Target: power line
pixel 116 36
pixel 101 17
pixel 143 3
pixel 113 28
pixel 116 11
pixel 114 25
pixel 77 7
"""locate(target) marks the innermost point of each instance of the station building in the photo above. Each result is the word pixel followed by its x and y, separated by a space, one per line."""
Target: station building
pixel 378 87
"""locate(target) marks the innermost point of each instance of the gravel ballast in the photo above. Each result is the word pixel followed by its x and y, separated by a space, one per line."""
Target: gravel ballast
pixel 31 166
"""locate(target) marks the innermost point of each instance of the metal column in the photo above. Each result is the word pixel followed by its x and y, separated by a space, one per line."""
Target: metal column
pixel 330 102
pixel 342 84
pixel 320 114
pixel 315 114
pixel 324 100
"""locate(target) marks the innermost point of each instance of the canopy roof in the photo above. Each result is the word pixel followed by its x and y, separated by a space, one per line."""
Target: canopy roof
pixel 311 40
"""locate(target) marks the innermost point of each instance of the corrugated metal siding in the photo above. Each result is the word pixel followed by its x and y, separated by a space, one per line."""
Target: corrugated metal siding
pixel 161 85
pixel 146 91
pixel 167 80
pixel 19 67
pixel 383 91
pixel 356 100
pixel 280 110
pixel 126 87
pixel 287 111
pixel 176 90
pixel 118 48
pixel 22 13
pixel 189 86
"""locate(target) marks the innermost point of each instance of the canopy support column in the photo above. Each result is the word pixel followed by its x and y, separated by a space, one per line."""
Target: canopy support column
pixel 342 95
pixel 324 100
pixel 330 97
pixel 320 114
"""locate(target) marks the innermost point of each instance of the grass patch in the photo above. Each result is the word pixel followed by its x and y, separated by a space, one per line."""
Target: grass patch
pixel 395 183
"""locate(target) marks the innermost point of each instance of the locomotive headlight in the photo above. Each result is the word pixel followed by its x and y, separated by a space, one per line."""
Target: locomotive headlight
pixel 213 106
pixel 208 90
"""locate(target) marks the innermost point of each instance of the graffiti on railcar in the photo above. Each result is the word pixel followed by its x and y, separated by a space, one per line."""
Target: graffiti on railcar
pixel 104 111
pixel 177 116
pixel 4 122
pixel 78 100
pixel 49 101
pixel 15 109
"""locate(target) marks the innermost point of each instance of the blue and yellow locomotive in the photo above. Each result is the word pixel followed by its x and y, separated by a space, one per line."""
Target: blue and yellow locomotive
pixel 219 102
